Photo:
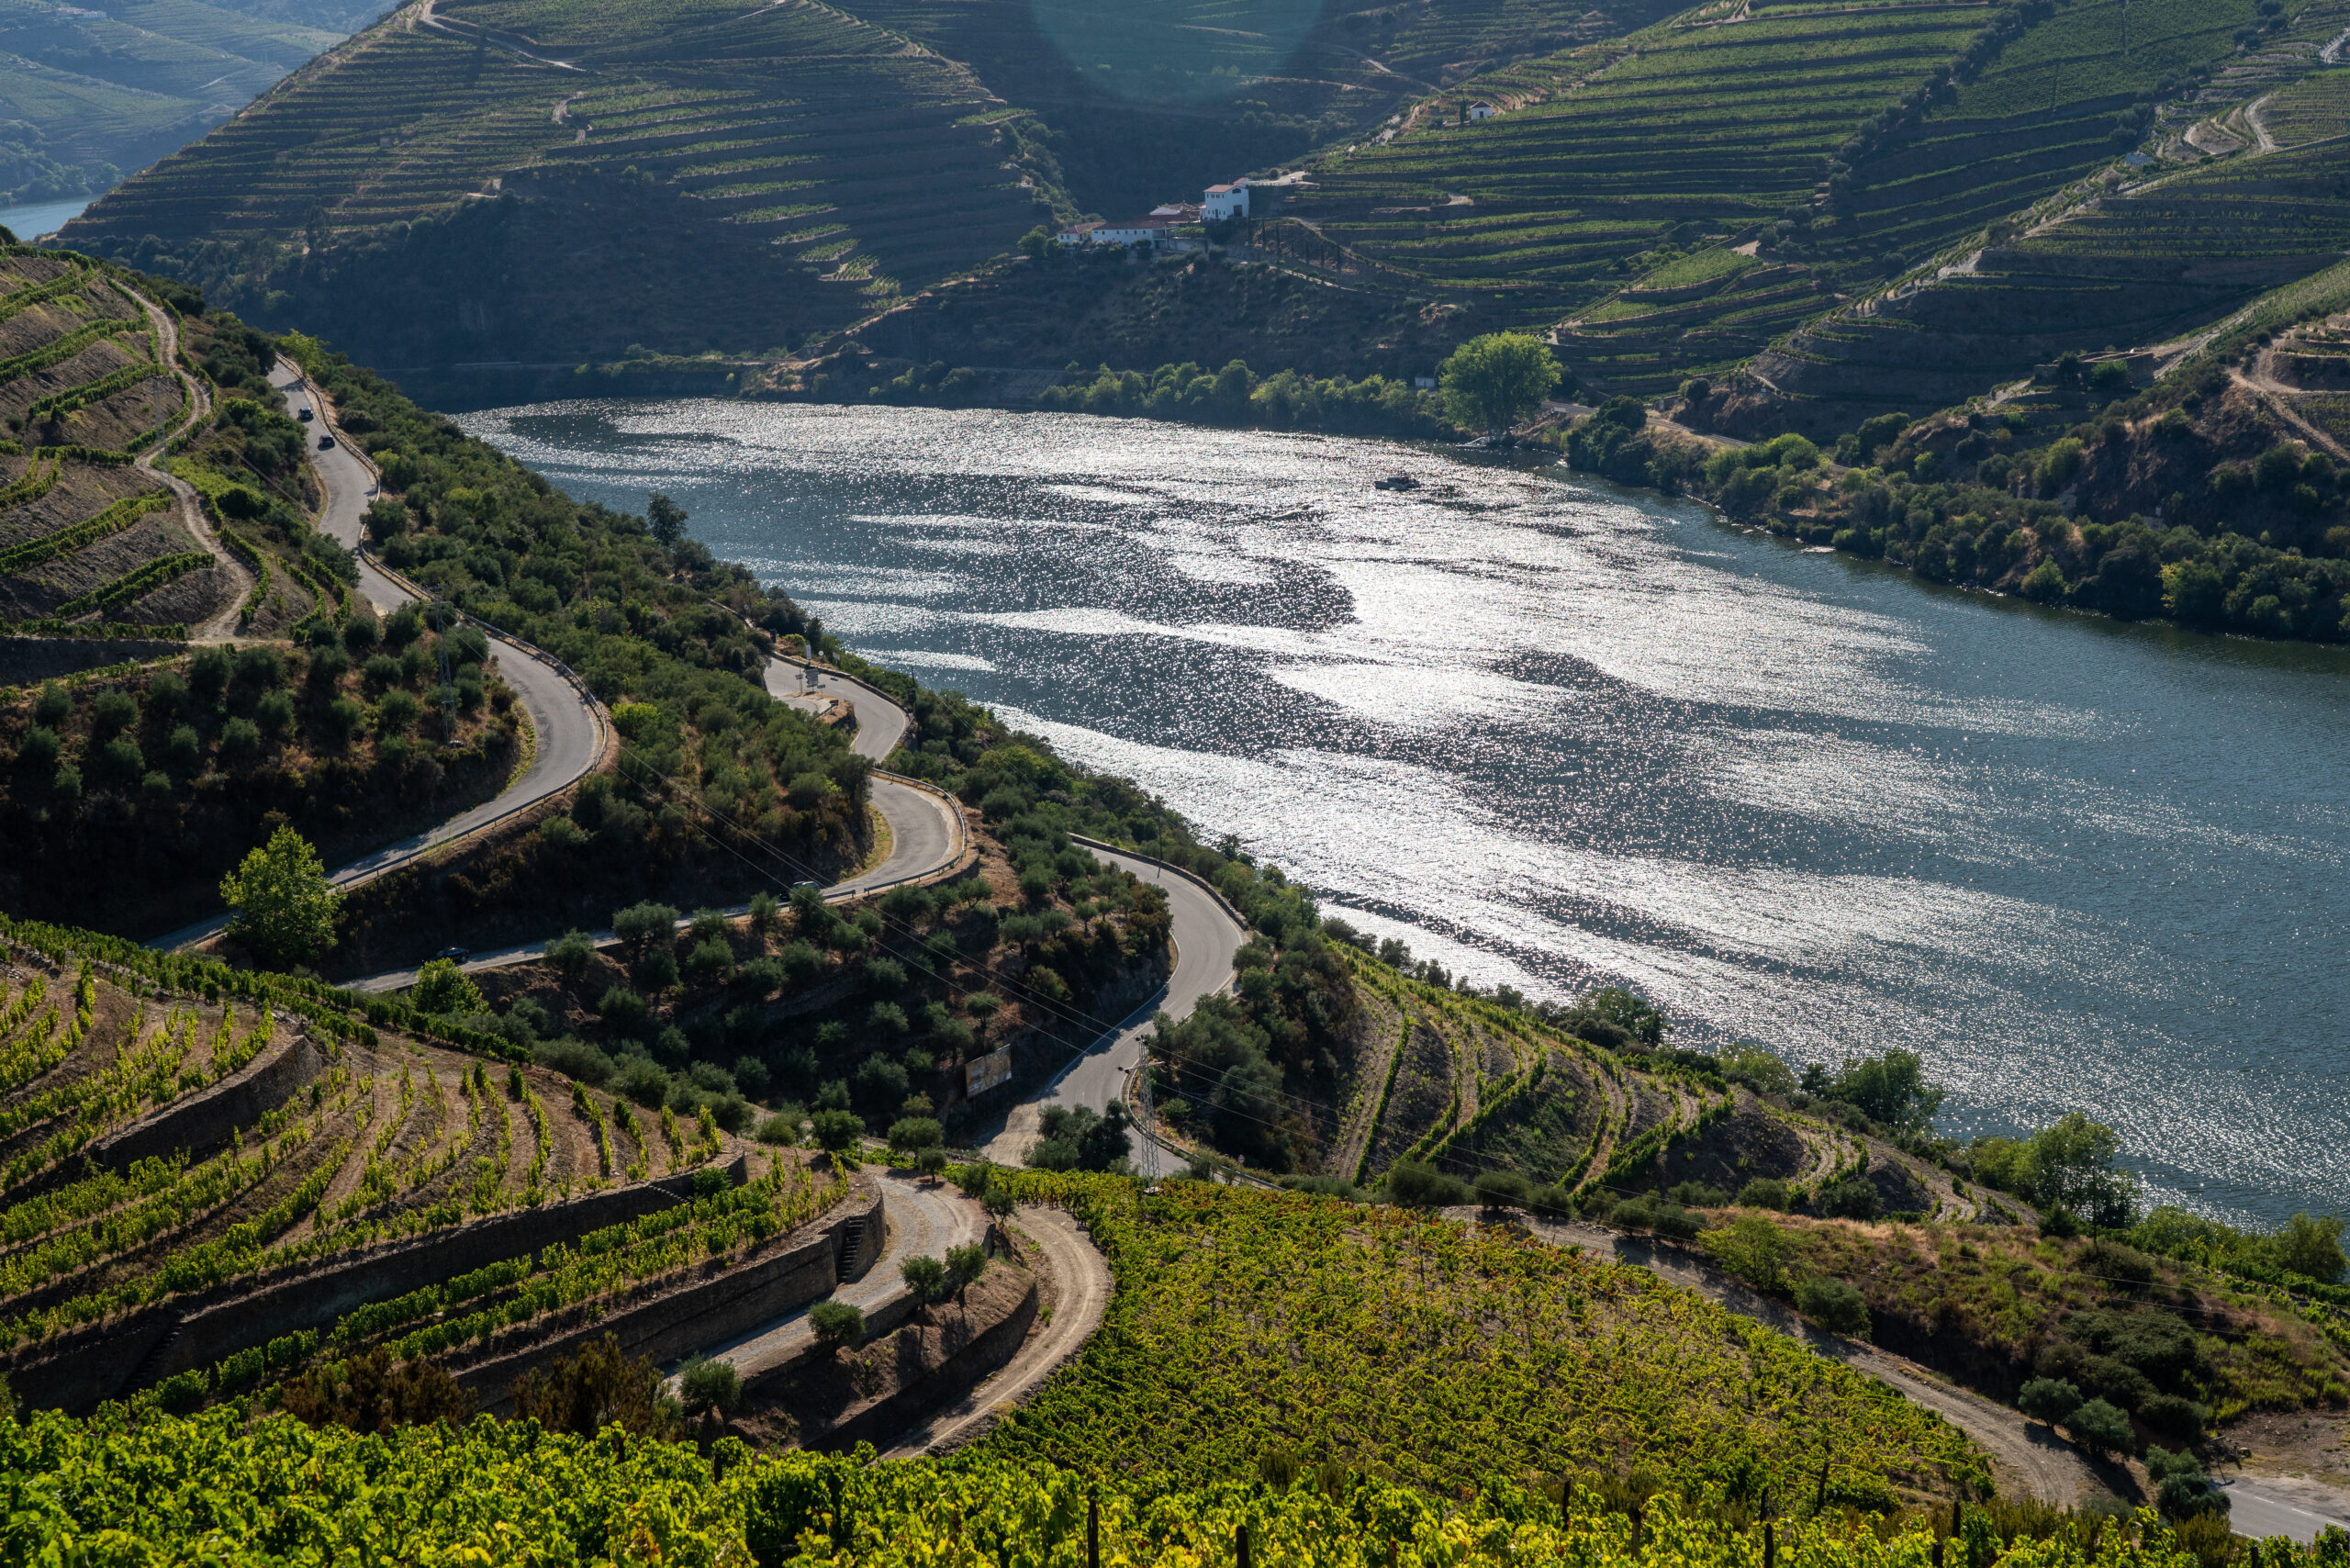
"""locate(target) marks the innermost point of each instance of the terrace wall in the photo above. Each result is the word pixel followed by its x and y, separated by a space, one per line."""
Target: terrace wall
pixel 24 660
pixel 103 1360
pixel 671 1321
pixel 200 1122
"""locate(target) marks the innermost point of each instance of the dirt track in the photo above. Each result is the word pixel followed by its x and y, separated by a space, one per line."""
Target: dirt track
pixel 1077 1278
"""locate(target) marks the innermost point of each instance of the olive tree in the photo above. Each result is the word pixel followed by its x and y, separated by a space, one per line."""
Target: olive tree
pixel 282 905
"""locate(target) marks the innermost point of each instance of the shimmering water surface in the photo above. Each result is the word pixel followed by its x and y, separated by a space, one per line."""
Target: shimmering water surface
pixel 1551 733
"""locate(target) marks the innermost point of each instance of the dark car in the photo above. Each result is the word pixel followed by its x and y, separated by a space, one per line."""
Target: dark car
pixel 325 444
pixel 303 415
pixel 455 955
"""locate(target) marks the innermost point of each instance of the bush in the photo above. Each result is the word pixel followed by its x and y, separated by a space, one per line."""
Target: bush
pixel 837 1130
pixel 624 1011
pixel 574 1058
pixel 1416 1185
pixel 710 963
pixel 641 1078
pixel 2101 1428
pixel 2049 1399
pixel 1833 1304
pixel 2175 1415
pixel 571 953
pixel 781 1127
pixel 597 1386
pixel 915 1134
pixel 444 991
pixel 1765 1192
pixel 1698 1195
pixel 1502 1189
pixel 1849 1200
pixel 706 1384
pixel 642 926
pixel 837 1324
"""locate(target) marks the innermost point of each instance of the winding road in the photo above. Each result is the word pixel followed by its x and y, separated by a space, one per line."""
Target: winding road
pixel 573 730
pixel 1206 935
pixel 222 627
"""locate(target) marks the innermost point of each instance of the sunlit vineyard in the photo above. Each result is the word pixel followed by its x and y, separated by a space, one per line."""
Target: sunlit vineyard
pixel 1247 1324
pixel 162 1490
pixel 166 1149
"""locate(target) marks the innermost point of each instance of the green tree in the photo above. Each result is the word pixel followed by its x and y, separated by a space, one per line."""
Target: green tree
pixel 283 906
pixel 836 1324
pixel 925 1279
pixel 2101 1428
pixel 1833 1304
pixel 836 1130
pixel 1491 383
pixel 442 989
pixel 2049 1399
pixel 2312 1247
pixel 667 518
pixel 1890 1090
pixel 965 1267
pixel 2073 1165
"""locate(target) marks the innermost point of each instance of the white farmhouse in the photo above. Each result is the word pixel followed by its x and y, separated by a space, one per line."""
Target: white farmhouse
pixel 1482 111
pixel 1225 202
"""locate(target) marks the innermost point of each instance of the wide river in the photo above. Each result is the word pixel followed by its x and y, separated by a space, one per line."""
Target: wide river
pixel 1554 733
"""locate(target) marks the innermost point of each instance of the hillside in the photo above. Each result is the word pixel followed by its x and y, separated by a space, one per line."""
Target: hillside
pixel 496 180
pixel 90 95
pixel 209 1177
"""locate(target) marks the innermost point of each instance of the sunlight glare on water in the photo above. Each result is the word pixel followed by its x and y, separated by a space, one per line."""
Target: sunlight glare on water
pixel 1557 735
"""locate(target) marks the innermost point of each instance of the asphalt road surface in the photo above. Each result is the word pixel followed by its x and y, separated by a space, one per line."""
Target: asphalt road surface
pixel 1207 937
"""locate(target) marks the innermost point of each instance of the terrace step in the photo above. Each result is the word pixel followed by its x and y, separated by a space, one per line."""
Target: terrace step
pixel 848 1244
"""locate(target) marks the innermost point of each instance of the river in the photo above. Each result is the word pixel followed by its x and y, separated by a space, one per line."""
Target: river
pixel 1553 733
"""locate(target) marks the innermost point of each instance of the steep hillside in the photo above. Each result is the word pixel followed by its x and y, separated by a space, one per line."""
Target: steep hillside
pixel 437 191
pixel 90 95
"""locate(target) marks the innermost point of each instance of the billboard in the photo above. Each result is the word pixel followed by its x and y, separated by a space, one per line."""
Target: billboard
pixel 988 1070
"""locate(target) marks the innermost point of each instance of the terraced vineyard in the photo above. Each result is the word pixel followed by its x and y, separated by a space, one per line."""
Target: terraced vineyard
pixel 1247 1324
pixel 90 535
pixel 1712 124
pixel 757 154
pixel 209 1180
pixel 2140 266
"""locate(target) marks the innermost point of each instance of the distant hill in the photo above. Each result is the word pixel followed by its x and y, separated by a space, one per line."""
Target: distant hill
pixel 557 180
pixel 91 92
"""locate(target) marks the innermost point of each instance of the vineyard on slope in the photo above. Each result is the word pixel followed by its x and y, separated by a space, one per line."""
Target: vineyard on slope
pixel 1247 1324
pixel 163 1489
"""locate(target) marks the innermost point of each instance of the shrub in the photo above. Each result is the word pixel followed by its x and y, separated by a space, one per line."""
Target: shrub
pixel 781 1127
pixel 837 1130
pixel 706 1384
pixel 641 926
pixel 641 1078
pixel 574 1058
pixel 369 1393
pixel 571 953
pixel 623 1010
pixel 443 989
pixel 2051 1400
pixel 916 1134
pixel 837 1324
pixel 1698 1195
pixel 1765 1192
pixel 1754 1249
pixel 2101 1428
pixel 597 1385
pixel 657 971
pixel 1849 1200
pixel 1502 1189
pixel 1416 1185
pixel 1833 1304
pixel 710 963
pixel 2175 1415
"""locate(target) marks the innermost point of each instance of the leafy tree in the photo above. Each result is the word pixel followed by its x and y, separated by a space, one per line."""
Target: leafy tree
pixel 667 519
pixel 1502 1189
pixel 2051 1400
pixel 1616 1018
pixel 706 1384
pixel 2101 1428
pixel 965 1265
pixel 1490 383
pixel 283 906
pixel 916 1134
pixel 837 1325
pixel 2183 1488
pixel 1077 1138
pixel 1833 1304
pixel 1765 1192
pixel 836 1130
pixel 1890 1090
pixel 597 1385
pixel 443 989
pixel 1853 1199
pixel 639 926
pixel 2312 1247
pixel 1753 1248
pixel 925 1278
pixel 1416 1185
